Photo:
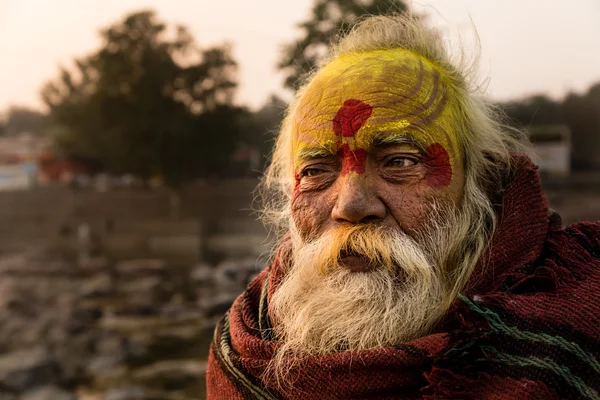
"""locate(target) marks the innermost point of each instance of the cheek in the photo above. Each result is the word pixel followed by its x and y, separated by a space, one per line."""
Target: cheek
pixel 409 210
pixel 413 208
pixel 439 168
pixel 310 212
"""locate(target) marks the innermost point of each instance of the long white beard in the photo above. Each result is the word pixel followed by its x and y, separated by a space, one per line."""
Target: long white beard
pixel 321 307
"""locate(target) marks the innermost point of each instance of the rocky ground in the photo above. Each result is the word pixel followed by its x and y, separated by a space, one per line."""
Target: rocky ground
pixel 96 330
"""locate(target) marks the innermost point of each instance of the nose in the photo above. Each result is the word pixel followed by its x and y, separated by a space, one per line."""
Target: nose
pixel 357 201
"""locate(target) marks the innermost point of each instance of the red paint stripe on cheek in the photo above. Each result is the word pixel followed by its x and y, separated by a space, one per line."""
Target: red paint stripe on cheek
pixel 439 172
pixel 352 160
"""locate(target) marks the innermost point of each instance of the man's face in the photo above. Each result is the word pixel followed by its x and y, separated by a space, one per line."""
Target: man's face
pixel 379 216
pixel 373 142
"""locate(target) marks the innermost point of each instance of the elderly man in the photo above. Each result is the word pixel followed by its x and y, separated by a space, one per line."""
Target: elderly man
pixel 419 257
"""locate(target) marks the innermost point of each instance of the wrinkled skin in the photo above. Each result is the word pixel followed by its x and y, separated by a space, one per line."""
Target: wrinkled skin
pixel 373 142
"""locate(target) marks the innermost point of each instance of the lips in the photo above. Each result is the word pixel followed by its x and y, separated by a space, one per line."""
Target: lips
pixel 355 262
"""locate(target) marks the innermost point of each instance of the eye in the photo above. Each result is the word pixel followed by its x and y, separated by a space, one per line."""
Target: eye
pixel 308 172
pixel 400 162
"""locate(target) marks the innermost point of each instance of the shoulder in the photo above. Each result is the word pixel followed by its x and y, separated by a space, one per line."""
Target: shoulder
pixel 576 244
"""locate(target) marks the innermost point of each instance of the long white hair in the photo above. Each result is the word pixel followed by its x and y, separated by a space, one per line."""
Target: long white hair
pixel 318 313
pixel 486 140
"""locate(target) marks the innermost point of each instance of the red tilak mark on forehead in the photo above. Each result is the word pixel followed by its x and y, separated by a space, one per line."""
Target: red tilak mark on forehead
pixel 347 121
pixel 352 160
pixel 350 117
pixel 437 160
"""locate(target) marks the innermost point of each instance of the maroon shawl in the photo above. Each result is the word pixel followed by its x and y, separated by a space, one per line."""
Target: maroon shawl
pixel 526 327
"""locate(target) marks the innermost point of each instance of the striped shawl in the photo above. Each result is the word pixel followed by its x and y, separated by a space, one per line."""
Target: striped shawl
pixel 526 327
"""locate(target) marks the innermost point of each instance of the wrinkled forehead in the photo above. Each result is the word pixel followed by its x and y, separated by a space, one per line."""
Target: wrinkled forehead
pixel 402 90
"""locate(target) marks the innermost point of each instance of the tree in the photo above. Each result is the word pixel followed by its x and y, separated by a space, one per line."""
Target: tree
pixel 264 126
pixel 534 110
pixel 579 112
pixel 582 114
pixel 328 17
pixel 24 120
pixel 147 104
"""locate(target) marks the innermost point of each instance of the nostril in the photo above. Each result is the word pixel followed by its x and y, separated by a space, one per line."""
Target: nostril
pixel 369 219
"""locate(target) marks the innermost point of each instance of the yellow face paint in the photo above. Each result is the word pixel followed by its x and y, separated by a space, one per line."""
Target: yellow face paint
pixel 376 96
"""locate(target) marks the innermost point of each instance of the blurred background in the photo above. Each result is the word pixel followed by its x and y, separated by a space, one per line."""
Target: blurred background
pixel 132 135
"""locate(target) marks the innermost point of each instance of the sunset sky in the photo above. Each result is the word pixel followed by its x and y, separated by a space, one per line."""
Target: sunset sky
pixel 528 46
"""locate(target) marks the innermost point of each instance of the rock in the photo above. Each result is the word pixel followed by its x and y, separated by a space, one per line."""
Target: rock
pixel 237 244
pixel 93 263
pixel 125 393
pixel 12 263
pixel 131 324
pixel 86 394
pixel 111 378
pixel 48 393
pixel 171 375
pixel 24 369
pixel 218 304
pixel 202 274
pixel 83 319
pixel 235 272
pixel 35 292
pixel 102 363
pixel 98 285
pixel 33 263
pixel 8 396
pixel 205 337
pixel 176 342
pixel 107 331
pixel 146 284
pixel 17 330
pixel 74 353
pixel 252 276
pixel 10 295
pixel 187 246
pixel 140 265
pixel 108 344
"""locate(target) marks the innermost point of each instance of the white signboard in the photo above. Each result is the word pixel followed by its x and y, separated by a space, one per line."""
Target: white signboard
pixel 17 177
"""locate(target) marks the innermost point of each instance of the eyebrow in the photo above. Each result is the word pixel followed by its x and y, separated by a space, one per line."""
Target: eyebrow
pixel 401 138
pixel 379 139
pixel 311 153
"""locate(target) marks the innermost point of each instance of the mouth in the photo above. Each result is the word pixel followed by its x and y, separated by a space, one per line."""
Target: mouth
pixel 355 262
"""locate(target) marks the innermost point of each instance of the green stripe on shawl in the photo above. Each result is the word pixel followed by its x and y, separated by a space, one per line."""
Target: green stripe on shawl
pixel 225 351
pixel 498 326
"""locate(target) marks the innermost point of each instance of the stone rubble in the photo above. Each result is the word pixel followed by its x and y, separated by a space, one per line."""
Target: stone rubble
pixel 135 329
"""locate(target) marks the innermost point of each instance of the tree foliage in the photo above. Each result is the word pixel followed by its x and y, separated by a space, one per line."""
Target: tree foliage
pixel 23 120
pixel 328 17
pixel 581 113
pixel 147 102
pixel 261 128
pixel 534 110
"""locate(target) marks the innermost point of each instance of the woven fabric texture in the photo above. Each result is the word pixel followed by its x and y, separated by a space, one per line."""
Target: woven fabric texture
pixel 526 327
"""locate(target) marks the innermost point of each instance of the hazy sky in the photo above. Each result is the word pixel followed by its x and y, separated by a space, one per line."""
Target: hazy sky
pixel 529 46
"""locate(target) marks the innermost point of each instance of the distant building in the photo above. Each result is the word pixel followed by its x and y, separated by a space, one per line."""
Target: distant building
pixel 18 160
pixel 25 161
pixel 18 176
pixel 21 148
pixel 552 147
